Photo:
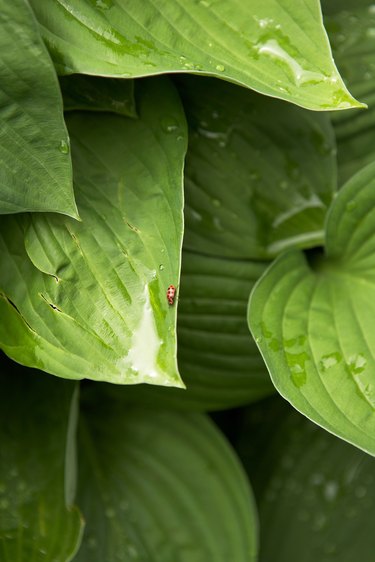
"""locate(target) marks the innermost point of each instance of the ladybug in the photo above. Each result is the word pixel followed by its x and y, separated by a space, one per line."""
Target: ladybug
pixel 171 293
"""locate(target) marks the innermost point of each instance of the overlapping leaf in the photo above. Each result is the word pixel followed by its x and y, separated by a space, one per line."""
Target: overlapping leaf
pixel 37 467
pixel 94 93
pixel 276 47
pixel 316 494
pixel 220 366
pixel 259 173
pixel 88 300
pixel 351 28
pixel 159 486
pixel 314 321
pixel 35 166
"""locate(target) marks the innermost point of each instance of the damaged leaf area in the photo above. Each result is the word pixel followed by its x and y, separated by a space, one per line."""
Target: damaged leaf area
pixel 88 299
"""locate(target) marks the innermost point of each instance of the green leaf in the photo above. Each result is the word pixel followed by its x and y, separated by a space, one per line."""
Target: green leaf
pixel 313 320
pixel 161 486
pixel 88 300
pixel 275 47
pixel 260 173
pixel 93 93
pixel 37 471
pixel 220 365
pixel 351 28
pixel 35 166
pixel 316 495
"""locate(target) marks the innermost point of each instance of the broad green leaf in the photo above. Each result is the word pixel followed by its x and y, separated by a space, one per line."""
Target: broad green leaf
pixel 316 494
pixel 219 364
pixel 35 166
pixel 351 28
pixel 88 300
pixel 37 467
pixel 94 93
pixel 313 320
pixel 159 486
pixel 276 47
pixel 260 173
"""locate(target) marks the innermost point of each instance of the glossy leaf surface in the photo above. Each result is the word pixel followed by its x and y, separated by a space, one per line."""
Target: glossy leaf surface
pixel 35 166
pixel 219 364
pixel 351 27
pixel 316 494
pixel 37 467
pixel 260 173
pixel 88 300
pixel 313 320
pixel 276 47
pixel 160 487
pixel 94 93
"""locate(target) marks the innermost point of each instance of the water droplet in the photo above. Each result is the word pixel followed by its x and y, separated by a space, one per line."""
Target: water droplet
pixel 330 490
pixel 330 360
pixel 92 543
pixel 284 185
pixel 4 504
pixel 64 147
pixel 351 206
pixel 220 67
pixel 301 76
pixel 110 513
pixel 357 364
pixel 161 267
pixel 169 124
pixel 216 202
pixel 319 522
pixel 360 492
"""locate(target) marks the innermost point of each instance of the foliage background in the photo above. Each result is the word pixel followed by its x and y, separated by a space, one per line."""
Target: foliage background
pixel 198 144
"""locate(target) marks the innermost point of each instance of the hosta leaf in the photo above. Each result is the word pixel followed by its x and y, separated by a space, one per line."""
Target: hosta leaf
pixel 351 27
pixel 160 487
pixel 276 47
pixel 88 300
pixel 94 93
pixel 259 173
pixel 219 364
pixel 314 320
pixel 35 166
pixel 316 495
pixel 37 467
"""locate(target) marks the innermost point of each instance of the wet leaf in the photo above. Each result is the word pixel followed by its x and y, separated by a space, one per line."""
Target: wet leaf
pixel 35 166
pixel 316 494
pixel 260 173
pixel 88 300
pixel 219 364
pixel 272 46
pixel 161 486
pixel 351 28
pixel 38 416
pixel 313 320
pixel 94 93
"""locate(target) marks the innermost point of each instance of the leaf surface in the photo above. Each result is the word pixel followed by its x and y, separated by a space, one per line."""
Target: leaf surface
pixel 276 47
pixel 37 467
pixel 94 93
pixel 313 320
pixel 260 173
pixel 351 28
pixel 161 486
pixel 219 364
pixel 35 165
pixel 88 300
pixel 316 494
